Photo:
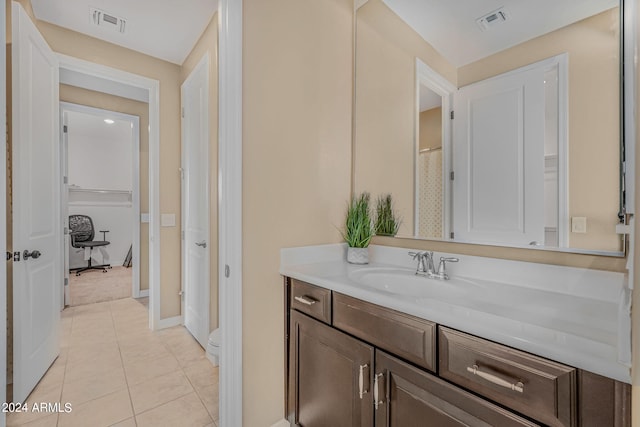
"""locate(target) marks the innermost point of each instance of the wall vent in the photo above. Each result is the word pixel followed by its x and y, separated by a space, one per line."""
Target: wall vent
pixel 493 19
pixel 103 19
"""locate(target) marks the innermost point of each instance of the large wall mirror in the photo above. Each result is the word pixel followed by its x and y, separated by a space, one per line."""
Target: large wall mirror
pixel 493 122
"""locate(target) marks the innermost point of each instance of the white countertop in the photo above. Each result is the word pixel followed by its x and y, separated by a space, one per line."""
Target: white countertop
pixel 575 316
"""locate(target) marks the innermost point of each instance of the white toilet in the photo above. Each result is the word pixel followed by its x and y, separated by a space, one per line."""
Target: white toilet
pixel 213 347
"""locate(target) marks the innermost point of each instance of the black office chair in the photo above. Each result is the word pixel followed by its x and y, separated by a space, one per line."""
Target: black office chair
pixel 82 233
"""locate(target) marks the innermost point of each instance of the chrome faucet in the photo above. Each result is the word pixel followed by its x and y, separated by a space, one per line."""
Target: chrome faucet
pixel 425 263
pixel 427 268
pixel 442 267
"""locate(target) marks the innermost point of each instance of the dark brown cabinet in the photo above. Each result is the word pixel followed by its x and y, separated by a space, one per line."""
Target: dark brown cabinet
pixel 353 363
pixel 330 376
pixel 414 398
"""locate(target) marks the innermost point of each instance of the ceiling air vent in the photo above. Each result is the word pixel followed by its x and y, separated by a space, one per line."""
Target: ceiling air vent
pixel 107 20
pixel 492 19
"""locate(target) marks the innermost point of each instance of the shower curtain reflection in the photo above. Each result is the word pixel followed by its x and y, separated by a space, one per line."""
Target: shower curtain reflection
pixel 430 194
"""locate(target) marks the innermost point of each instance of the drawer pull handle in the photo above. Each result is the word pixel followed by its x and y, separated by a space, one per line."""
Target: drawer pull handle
pixel 475 370
pixel 306 300
pixel 376 394
pixel 361 381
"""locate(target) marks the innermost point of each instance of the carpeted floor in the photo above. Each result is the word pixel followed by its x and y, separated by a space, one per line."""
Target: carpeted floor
pixel 95 286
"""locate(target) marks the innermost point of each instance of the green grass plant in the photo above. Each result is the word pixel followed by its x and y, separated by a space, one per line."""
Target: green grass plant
pixel 387 221
pixel 358 228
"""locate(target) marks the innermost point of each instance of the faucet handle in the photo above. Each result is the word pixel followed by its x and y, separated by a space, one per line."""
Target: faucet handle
pixel 442 267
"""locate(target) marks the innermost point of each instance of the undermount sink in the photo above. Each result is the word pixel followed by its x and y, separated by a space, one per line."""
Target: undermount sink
pixel 405 282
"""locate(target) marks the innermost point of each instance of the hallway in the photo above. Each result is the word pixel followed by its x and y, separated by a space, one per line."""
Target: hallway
pixel 115 371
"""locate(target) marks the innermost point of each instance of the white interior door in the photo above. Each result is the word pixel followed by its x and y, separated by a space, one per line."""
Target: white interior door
pixel 37 226
pixel 498 160
pixel 195 201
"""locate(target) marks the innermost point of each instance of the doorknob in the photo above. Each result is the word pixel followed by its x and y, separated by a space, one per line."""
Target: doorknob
pixel 202 244
pixel 33 254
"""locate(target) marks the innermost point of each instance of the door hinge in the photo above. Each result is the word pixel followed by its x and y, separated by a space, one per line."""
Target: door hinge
pixel 452 175
pixel 182 235
pixel 182 112
pixel 227 271
pixel 65 180
pixel 16 256
pixel 66 281
pixel 9 256
pixel 451 235
pixel 451 114
pixel 65 129
pixel 66 231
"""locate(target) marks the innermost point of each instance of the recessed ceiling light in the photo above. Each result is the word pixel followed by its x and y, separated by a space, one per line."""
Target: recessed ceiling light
pixel 109 121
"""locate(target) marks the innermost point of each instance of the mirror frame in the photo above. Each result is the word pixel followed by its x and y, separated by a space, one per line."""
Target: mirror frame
pixel 628 45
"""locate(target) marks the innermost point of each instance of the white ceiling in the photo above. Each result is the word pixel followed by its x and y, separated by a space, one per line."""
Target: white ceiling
pixel 450 25
pixel 93 126
pixel 165 29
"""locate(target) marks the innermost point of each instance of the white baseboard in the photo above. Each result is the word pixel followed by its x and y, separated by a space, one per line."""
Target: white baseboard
pixel 282 423
pixel 170 322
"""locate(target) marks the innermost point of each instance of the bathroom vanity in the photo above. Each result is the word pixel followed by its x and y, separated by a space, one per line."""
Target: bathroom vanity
pixel 363 353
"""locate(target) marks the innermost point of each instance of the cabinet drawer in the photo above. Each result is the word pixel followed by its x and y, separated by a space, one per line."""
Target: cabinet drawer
pixel 409 337
pixel 408 396
pixel 539 388
pixel 312 300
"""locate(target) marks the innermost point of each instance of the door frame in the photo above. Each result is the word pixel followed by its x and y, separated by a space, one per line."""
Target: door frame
pixel 430 78
pixel 230 209
pixel 135 182
pixel 202 63
pixel 152 87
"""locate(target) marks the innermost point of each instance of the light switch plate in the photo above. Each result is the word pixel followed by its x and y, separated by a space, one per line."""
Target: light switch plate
pixel 579 224
pixel 168 220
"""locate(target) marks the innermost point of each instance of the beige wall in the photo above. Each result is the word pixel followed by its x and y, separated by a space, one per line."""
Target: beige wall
pixel 297 87
pixel 592 46
pixel 430 134
pixel 90 49
pixel 104 101
pixel 208 43
pixel 385 113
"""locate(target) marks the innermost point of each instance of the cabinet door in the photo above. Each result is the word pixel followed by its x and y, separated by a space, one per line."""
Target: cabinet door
pixel 328 371
pixel 410 397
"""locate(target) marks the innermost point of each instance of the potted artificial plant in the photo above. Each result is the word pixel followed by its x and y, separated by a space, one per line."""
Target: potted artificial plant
pixel 387 221
pixel 358 229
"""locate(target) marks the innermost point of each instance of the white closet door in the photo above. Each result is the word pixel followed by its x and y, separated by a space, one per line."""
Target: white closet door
pixel 37 281
pixel 498 160
pixel 195 202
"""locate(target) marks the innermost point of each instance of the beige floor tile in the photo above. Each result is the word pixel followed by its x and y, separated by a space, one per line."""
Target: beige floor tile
pixel 144 370
pixel 89 388
pixel 202 374
pixel 104 411
pixel 84 351
pixel 159 390
pixel 185 411
pixel 107 347
pixel 210 399
pixel 131 422
pixel 46 420
pixel 100 364
pixel 91 309
pixel 145 350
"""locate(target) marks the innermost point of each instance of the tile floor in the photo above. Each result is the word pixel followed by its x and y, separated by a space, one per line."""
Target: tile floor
pixel 95 286
pixel 116 372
